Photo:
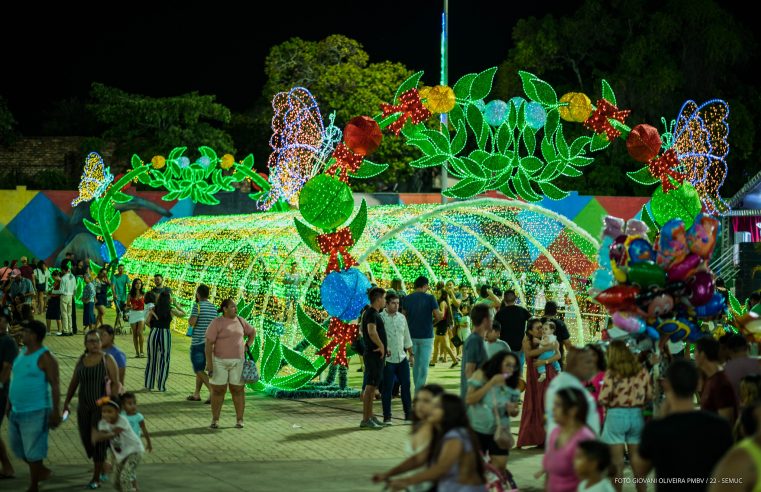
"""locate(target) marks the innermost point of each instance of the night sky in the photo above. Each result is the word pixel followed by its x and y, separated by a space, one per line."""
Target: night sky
pixel 219 47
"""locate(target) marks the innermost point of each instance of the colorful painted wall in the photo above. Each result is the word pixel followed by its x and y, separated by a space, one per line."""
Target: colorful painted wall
pixel 39 224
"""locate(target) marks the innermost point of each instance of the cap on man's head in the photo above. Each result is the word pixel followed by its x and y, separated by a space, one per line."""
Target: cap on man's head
pixel 23 259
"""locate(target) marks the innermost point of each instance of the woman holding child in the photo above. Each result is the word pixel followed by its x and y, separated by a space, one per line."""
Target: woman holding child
pixel 532 431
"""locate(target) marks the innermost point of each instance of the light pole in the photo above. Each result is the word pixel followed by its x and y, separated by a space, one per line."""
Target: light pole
pixel 444 80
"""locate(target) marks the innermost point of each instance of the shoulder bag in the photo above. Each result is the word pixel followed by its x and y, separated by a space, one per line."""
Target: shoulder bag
pixel 502 436
pixel 250 373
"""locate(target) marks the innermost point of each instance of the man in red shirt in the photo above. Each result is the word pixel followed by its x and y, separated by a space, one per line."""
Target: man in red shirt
pixel 717 395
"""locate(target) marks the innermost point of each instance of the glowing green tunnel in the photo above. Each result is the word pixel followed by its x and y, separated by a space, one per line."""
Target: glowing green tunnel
pixel 249 257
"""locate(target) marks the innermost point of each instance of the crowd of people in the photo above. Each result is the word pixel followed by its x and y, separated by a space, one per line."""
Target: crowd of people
pixel 106 412
pixel 594 410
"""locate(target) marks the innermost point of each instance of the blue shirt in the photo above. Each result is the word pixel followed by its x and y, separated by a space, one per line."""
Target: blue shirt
pixel 118 355
pixel 420 307
pixel 134 422
pixel 30 390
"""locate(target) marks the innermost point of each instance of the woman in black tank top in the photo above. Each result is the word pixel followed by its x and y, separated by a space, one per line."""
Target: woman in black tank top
pixel 160 341
pixel 90 376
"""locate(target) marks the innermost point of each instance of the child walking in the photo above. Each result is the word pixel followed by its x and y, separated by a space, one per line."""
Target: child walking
pixel 126 446
pixel 135 418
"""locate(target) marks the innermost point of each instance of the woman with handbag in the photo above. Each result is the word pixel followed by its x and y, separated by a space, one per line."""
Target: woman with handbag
pixel 225 356
pixel 96 376
pixel 442 328
pixel 160 340
pixel 493 398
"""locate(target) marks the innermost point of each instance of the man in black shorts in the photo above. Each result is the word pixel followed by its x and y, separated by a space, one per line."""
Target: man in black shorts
pixel 374 334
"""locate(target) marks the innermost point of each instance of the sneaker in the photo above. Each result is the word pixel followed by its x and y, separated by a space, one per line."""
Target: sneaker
pixel 375 419
pixel 59 334
pixel 359 370
pixel 370 424
pixel 387 422
pixel 454 364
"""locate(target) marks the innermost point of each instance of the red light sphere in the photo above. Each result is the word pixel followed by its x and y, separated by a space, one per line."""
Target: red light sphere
pixel 643 143
pixel 362 135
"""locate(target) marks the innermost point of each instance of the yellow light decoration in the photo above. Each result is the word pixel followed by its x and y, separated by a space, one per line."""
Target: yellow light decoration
pixel 575 107
pixel 228 161
pixel 95 179
pixel 439 99
pixel 158 162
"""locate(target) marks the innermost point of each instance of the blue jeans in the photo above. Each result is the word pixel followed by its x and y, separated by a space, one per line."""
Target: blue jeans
pixel 198 357
pixel 402 372
pixel 28 434
pixel 422 349
pixel 623 426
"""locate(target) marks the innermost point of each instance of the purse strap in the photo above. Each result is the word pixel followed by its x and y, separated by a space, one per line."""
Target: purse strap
pixel 494 409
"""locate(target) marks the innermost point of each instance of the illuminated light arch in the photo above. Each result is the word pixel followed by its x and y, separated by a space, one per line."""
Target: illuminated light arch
pixel 497 254
pixel 474 205
pixel 232 254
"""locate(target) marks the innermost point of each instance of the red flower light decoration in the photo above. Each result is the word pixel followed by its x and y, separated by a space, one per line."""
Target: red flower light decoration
pixel 346 162
pixel 599 123
pixel 335 244
pixel 340 334
pixel 663 169
pixel 410 106
pixel 643 143
pixel 362 135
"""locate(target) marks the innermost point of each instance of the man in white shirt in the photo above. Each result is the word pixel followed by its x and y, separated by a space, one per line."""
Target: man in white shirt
pixel 580 367
pixel 68 289
pixel 399 346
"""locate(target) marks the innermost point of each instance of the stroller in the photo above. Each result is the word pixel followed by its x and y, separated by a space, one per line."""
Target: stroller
pixel 121 319
pixel 496 481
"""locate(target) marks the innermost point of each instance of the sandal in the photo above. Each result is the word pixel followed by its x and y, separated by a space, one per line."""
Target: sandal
pixel 214 425
pixel 193 398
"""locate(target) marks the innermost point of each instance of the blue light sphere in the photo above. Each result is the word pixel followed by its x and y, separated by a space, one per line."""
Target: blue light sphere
pixel 204 161
pixel 119 247
pixel 344 294
pixel 517 101
pixel 536 116
pixel 183 162
pixel 495 112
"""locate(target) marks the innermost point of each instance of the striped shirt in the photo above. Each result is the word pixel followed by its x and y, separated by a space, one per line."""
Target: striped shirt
pixel 204 312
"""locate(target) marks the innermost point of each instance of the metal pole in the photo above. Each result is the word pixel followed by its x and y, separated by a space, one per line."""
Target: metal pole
pixel 444 80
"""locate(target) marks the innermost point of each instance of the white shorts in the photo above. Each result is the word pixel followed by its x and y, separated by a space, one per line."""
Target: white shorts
pixel 136 316
pixel 226 371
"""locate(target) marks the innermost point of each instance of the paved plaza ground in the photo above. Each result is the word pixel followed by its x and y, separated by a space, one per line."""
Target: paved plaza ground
pixel 287 445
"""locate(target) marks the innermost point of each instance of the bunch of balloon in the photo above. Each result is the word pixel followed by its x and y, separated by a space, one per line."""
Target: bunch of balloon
pixel 666 289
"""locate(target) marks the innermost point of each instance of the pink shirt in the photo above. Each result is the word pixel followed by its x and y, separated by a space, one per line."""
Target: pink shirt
pixel 558 463
pixel 227 335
